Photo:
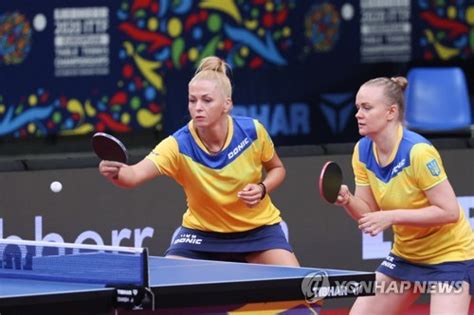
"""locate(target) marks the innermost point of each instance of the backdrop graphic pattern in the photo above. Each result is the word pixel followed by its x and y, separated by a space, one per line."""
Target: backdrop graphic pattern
pixel 152 38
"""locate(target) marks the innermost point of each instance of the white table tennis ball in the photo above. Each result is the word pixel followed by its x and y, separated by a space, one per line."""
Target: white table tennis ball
pixel 56 186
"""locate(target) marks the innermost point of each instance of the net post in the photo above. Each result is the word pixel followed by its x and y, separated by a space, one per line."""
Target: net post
pixel 146 268
pixel 148 294
pixel 138 296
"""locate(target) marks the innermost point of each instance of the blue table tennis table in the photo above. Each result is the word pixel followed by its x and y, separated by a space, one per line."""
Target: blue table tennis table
pixel 184 284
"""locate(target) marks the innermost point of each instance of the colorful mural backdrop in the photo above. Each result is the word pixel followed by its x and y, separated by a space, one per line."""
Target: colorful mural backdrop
pixel 447 29
pixel 123 66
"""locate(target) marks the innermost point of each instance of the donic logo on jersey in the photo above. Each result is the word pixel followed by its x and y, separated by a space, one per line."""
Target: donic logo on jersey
pixel 244 134
pixel 398 167
pixel 433 167
pixel 401 160
pixel 238 148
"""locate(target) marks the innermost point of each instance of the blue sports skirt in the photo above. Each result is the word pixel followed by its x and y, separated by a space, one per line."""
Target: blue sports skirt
pixel 447 272
pixel 234 246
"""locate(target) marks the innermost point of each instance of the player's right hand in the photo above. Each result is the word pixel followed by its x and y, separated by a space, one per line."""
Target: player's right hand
pixel 343 197
pixel 110 169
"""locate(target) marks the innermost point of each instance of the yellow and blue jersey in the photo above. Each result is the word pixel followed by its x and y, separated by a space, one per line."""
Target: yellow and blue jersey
pixel 211 181
pixel 415 167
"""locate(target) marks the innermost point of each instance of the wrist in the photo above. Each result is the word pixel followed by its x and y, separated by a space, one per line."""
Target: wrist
pixel 393 217
pixel 264 190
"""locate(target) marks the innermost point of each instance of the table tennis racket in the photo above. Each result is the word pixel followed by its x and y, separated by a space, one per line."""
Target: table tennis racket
pixel 109 148
pixel 330 181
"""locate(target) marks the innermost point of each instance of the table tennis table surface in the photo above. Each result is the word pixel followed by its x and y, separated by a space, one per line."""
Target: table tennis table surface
pixel 181 283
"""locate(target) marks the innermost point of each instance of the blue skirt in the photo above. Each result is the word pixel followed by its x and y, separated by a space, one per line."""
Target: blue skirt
pixel 447 272
pixel 235 246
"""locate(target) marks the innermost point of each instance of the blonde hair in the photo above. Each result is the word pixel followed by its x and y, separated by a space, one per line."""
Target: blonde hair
pixel 215 69
pixel 393 90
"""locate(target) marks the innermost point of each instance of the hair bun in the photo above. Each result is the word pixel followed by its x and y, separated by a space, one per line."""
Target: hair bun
pixel 402 82
pixel 212 63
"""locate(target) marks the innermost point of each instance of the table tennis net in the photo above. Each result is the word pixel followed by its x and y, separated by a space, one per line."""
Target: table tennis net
pixel 48 261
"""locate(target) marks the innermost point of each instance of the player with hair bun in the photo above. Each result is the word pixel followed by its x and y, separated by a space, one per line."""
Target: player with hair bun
pixel 401 183
pixel 219 160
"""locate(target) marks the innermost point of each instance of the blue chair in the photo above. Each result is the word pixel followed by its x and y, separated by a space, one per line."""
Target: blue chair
pixel 437 102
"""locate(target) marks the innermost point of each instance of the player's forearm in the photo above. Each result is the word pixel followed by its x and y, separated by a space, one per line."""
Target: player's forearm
pixel 126 178
pixel 356 207
pixel 274 178
pixel 130 176
pixel 424 217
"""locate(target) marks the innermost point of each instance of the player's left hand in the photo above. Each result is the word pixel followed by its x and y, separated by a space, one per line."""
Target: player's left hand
pixel 251 194
pixel 375 222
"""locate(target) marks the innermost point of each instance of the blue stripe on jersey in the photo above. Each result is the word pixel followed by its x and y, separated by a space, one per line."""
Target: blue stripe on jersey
pixel 400 162
pixel 244 135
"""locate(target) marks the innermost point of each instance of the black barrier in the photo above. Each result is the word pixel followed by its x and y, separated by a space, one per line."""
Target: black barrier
pixel 90 209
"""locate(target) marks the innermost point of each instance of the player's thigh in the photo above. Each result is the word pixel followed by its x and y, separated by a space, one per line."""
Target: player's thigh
pixel 451 300
pixel 388 300
pixel 273 257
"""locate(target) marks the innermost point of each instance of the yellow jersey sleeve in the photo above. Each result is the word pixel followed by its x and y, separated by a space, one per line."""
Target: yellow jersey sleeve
pixel 427 166
pixel 359 168
pixel 268 149
pixel 165 156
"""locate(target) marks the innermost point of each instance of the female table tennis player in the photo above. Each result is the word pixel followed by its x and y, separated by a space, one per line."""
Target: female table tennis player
pixel 401 183
pixel 218 159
